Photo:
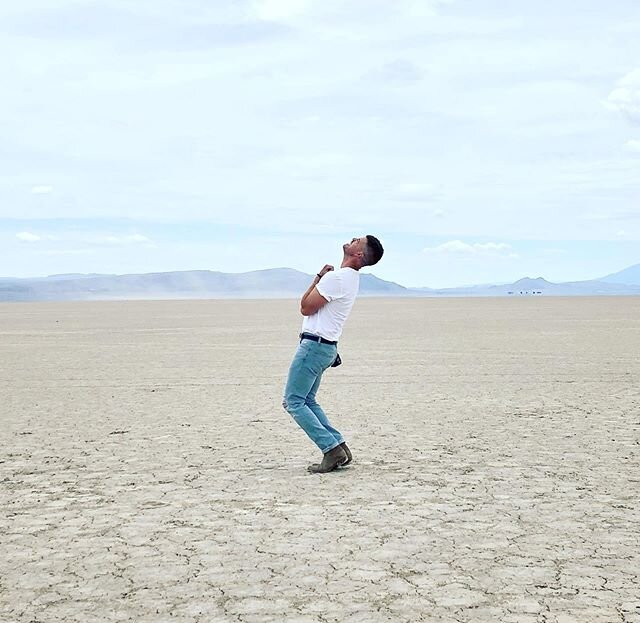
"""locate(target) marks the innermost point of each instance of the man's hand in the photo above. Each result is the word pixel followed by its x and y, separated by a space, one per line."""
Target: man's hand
pixel 327 269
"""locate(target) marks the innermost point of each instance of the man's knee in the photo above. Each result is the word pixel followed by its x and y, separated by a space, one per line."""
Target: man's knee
pixel 291 403
pixel 288 402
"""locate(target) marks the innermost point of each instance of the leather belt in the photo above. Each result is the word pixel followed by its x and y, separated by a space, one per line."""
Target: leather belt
pixel 316 338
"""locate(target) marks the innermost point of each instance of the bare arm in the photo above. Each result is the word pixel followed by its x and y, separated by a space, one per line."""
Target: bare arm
pixel 312 300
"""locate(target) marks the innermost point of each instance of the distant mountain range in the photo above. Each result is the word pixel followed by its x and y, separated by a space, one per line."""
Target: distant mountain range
pixel 270 283
pixel 280 283
pixel 628 276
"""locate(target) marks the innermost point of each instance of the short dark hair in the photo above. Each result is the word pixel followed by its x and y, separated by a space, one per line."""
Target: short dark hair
pixel 373 251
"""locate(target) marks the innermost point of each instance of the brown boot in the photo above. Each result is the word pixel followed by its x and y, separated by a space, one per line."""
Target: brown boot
pixel 332 459
pixel 345 447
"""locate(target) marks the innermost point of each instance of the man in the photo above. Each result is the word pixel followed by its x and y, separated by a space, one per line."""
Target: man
pixel 325 307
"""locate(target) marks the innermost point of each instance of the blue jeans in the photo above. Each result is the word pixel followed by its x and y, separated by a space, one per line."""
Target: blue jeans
pixel 310 361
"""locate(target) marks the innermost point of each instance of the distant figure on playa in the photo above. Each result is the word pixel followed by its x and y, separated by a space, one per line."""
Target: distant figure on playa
pixel 325 307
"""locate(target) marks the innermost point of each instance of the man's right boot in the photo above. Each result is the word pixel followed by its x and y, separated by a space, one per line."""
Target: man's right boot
pixel 345 447
pixel 330 461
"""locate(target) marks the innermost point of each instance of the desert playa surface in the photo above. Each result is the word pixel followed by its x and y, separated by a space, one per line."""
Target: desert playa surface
pixel 150 474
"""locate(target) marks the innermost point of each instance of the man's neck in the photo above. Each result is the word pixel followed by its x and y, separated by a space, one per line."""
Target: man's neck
pixel 349 262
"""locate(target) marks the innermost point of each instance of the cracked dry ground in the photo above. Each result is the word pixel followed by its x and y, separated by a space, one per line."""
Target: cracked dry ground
pixel 149 472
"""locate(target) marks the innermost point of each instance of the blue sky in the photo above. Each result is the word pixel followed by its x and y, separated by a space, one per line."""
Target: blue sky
pixel 480 140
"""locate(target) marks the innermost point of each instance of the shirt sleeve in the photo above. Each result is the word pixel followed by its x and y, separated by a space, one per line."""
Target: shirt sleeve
pixel 330 286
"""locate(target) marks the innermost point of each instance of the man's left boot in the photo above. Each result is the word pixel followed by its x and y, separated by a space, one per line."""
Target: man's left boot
pixel 330 461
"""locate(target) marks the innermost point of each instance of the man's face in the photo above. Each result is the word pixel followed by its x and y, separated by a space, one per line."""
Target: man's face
pixel 356 246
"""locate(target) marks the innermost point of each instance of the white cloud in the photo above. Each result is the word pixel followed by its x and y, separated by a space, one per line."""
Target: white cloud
pixel 416 192
pixel 617 215
pixel 277 10
pixel 41 190
pixel 397 72
pixel 337 10
pixel 125 240
pixel 625 98
pixel 76 238
pixel 458 247
pixel 25 236
pixel 552 251
pixel 633 145
pixel 309 164
pixel 56 252
pixel 137 238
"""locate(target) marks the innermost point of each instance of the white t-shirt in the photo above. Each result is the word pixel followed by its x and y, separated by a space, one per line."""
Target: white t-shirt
pixel 340 288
